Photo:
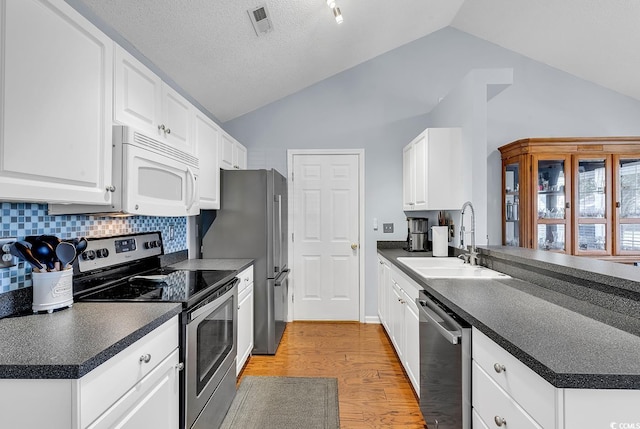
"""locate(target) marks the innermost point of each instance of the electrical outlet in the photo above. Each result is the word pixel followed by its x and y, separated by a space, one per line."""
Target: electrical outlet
pixel 387 227
pixel 7 259
pixel 172 233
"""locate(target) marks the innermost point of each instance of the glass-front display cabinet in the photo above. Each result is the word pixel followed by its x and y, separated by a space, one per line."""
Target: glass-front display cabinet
pixel 578 196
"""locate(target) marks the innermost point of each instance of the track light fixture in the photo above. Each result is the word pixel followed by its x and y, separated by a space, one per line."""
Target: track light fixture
pixel 338 15
pixel 336 11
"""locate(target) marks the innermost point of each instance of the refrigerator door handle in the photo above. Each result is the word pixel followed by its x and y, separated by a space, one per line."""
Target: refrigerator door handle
pixel 283 275
pixel 277 236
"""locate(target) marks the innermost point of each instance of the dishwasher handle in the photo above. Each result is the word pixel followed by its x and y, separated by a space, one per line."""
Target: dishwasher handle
pixel 438 321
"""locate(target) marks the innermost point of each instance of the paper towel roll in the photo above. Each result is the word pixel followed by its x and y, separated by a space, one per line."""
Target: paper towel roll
pixel 440 236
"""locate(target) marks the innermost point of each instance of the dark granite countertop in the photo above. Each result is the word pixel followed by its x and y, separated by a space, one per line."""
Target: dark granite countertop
pixel 69 343
pixel 570 342
pixel 213 264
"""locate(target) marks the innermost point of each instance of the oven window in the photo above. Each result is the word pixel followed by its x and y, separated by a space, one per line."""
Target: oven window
pixel 215 341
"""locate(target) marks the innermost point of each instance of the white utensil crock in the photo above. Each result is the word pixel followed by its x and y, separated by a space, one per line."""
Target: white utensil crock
pixel 52 290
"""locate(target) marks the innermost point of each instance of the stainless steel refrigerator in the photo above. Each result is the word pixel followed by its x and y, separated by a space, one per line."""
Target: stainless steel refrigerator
pixel 252 223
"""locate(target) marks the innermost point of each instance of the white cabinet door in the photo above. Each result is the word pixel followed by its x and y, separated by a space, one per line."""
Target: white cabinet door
pixel 245 327
pixel 177 114
pixel 137 94
pixel 206 135
pixel 432 174
pixel 408 179
pixel 56 84
pixel 232 154
pixel 397 320
pixel 412 343
pixel 151 403
pixel 240 156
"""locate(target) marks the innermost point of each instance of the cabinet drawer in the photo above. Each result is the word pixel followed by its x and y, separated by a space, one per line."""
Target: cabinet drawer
pixel 102 387
pixel 526 387
pixel 492 403
pixel 246 278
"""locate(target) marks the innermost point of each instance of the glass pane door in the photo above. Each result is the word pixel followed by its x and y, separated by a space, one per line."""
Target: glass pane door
pixel 592 210
pixel 629 205
pixel 551 205
pixel 512 205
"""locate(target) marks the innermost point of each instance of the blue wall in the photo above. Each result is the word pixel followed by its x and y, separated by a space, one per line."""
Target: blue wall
pixel 382 104
pixel 22 219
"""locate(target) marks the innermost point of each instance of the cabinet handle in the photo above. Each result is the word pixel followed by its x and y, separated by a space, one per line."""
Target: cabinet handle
pixel 180 366
pixel 246 279
pixel 161 127
pixel 617 204
pixel 498 367
pixel 145 358
pixel 111 188
pixel 500 421
pixel 168 131
pixel 567 205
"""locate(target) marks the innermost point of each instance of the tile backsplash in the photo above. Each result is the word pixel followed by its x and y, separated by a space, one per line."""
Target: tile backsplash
pixel 22 219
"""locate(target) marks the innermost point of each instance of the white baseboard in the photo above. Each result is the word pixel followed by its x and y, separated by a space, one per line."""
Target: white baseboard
pixel 372 319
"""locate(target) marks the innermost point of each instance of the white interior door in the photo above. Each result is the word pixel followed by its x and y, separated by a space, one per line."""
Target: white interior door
pixel 326 244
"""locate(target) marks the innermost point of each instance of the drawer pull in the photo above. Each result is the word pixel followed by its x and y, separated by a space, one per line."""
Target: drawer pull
pixel 498 367
pixel 180 366
pixel 145 358
pixel 500 421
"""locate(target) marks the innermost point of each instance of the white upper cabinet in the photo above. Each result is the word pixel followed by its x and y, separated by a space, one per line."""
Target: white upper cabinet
pixel 143 101
pixel 432 177
pixel 233 155
pixel 56 74
pixel 207 136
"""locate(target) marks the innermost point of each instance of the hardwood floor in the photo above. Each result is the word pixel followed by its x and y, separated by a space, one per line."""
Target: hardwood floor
pixel 373 390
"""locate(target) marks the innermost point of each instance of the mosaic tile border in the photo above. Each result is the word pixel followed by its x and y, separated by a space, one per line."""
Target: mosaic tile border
pixel 21 219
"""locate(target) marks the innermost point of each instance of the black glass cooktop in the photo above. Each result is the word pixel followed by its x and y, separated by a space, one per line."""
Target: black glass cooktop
pixel 165 284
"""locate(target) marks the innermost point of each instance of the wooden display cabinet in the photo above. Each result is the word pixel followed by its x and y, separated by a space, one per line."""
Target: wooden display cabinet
pixel 573 195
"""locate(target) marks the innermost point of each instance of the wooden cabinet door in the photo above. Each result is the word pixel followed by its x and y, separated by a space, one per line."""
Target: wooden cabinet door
pixel 56 77
pixel 592 205
pixel 137 94
pixel 207 135
pixel 625 213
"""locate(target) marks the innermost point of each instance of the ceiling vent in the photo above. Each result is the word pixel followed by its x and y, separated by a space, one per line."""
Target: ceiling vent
pixel 260 19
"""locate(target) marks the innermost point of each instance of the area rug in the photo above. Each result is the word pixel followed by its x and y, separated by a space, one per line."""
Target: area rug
pixel 284 403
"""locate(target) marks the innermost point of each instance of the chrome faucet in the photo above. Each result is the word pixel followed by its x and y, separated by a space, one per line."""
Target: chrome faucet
pixel 472 256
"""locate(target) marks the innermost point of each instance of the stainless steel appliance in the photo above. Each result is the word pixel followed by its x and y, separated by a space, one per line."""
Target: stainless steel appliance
pixel 417 230
pixel 445 366
pixel 149 177
pixel 252 223
pixel 127 268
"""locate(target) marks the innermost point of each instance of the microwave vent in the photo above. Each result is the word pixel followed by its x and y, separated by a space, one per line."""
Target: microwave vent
pixel 260 19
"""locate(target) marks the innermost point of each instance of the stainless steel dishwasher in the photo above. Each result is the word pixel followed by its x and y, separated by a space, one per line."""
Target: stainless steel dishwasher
pixel 445 366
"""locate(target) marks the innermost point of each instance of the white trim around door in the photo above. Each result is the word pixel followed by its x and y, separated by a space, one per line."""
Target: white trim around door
pixel 361 223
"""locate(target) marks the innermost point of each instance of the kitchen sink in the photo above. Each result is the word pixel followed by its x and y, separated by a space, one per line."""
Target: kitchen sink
pixel 449 268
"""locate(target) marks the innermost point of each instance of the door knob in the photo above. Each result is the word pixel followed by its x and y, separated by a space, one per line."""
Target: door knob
pixel 354 246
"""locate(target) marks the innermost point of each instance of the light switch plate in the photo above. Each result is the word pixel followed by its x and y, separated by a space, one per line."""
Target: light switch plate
pixel 387 227
pixel 7 259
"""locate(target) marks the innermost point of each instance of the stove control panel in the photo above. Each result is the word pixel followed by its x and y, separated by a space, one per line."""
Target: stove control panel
pixel 110 251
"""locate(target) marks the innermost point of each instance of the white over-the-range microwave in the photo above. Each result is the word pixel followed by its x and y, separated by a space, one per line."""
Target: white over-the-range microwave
pixel 150 178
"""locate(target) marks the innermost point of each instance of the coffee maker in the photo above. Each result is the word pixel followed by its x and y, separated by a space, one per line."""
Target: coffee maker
pixel 417 229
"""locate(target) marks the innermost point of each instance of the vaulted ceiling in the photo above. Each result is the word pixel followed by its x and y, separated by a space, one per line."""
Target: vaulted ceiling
pixel 210 48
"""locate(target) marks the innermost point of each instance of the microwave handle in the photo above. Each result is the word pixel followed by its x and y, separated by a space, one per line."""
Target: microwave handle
pixel 192 200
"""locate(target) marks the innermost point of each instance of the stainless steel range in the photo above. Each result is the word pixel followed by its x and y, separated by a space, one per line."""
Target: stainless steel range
pixel 127 268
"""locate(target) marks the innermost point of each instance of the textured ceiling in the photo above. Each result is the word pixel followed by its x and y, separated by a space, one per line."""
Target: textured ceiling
pixel 209 47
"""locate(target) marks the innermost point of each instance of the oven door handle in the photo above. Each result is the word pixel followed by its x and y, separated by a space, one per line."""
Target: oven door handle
pixel 280 279
pixel 438 322
pixel 207 306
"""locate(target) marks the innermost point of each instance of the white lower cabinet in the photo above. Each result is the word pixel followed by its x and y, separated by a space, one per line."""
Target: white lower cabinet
pixel 245 318
pixel 137 388
pixel 399 315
